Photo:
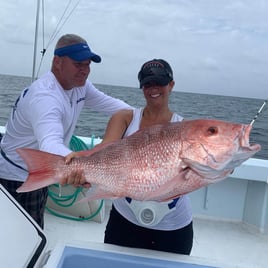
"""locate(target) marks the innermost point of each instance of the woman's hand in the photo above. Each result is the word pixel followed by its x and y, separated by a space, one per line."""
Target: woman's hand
pixel 69 157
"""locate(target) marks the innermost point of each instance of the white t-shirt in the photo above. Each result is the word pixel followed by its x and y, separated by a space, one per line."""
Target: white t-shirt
pixel 178 217
pixel 44 117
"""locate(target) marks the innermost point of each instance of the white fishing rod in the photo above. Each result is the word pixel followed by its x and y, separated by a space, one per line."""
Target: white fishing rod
pixel 258 113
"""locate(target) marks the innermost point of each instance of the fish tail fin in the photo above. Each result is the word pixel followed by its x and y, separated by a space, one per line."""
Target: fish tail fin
pixel 41 167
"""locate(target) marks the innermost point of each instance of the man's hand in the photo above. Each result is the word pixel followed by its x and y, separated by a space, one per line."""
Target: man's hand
pixel 76 177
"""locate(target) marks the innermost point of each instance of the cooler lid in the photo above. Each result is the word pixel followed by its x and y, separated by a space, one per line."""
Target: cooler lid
pixel 22 241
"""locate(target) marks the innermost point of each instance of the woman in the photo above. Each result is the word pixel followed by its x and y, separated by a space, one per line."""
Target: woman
pixel 151 225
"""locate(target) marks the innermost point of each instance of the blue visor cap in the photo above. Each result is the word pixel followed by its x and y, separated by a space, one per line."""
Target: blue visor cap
pixel 77 52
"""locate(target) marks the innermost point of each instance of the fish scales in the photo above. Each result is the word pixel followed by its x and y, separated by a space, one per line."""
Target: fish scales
pixel 143 168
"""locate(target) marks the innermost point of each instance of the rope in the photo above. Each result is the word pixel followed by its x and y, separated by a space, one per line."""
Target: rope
pixel 94 214
pixel 76 144
pixel 62 200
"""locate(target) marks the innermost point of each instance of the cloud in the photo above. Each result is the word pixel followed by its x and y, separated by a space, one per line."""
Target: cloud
pixel 217 47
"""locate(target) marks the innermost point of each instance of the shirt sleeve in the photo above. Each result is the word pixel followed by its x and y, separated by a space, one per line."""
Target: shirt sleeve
pixel 46 120
pixel 100 102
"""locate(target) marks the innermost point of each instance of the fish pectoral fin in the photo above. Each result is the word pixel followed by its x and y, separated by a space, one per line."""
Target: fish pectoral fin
pixel 87 153
pixel 184 171
pixel 165 189
pixel 95 193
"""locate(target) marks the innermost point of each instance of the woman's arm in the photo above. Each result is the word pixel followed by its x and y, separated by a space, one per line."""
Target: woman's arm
pixel 117 125
pixel 115 130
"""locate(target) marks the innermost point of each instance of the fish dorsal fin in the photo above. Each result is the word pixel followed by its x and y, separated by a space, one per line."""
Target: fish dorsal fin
pixel 97 148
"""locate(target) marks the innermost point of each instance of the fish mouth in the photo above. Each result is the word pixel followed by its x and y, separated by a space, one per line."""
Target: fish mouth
pixel 244 140
pixel 246 150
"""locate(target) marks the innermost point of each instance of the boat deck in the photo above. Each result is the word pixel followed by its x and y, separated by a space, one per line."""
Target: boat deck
pixel 226 244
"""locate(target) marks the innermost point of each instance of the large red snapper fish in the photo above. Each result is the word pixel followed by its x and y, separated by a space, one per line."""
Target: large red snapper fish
pixel 157 163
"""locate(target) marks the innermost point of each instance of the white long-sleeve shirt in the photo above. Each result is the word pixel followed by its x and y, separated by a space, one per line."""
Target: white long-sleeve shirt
pixel 44 117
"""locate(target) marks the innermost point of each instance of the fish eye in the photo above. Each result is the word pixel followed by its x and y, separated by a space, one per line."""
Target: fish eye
pixel 212 130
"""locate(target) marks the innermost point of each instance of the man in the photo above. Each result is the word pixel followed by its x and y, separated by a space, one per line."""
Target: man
pixel 45 115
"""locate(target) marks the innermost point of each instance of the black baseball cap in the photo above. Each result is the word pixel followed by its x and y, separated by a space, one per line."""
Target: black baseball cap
pixel 156 71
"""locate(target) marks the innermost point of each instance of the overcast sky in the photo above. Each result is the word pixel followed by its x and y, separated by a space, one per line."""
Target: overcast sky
pixel 214 46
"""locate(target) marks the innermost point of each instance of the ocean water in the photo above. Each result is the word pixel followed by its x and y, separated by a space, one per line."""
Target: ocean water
pixel 189 105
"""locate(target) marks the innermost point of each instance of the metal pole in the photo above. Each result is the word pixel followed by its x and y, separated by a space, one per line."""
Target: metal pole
pixel 35 39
